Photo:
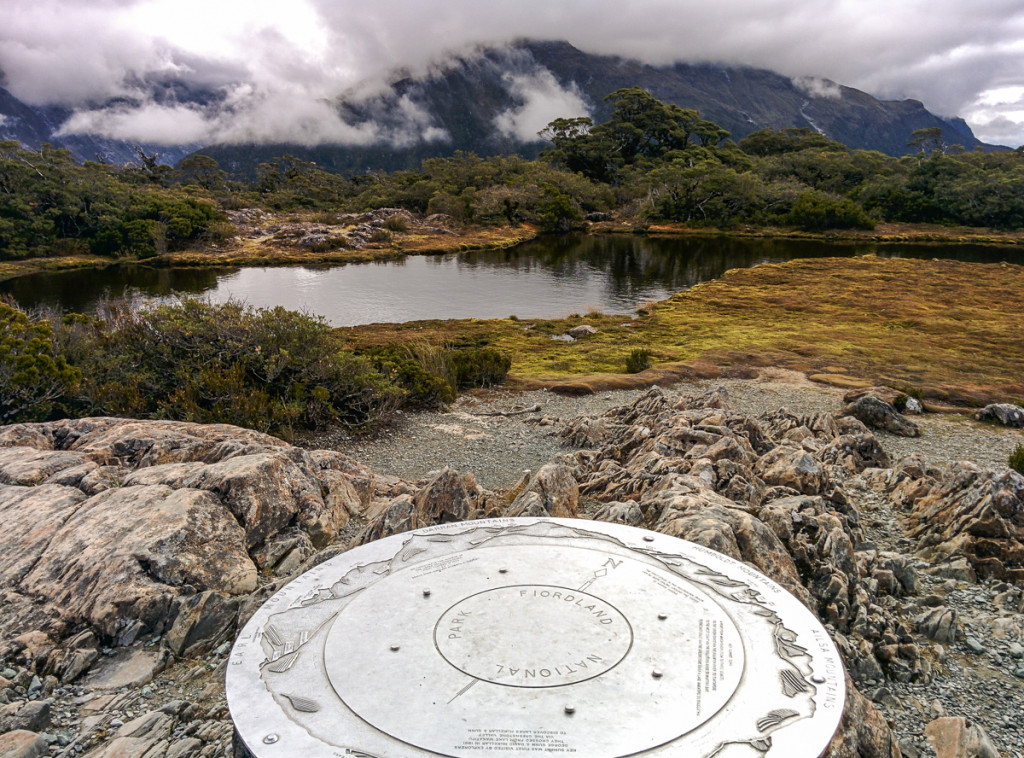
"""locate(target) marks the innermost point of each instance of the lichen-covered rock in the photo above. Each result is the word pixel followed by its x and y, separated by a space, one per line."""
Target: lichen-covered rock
pixel 449 496
pixel 878 414
pixel 116 522
pixel 1006 414
pixel 553 491
pixel 977 514
pixel 128 554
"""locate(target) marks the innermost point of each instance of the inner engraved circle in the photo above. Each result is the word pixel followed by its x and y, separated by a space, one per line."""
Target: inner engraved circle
pixel 533 635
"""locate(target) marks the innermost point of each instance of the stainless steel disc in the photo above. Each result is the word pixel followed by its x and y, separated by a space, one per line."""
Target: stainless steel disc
pixel 534 637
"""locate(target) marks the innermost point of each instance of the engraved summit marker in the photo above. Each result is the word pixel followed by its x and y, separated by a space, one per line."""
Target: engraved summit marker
pixel 534 637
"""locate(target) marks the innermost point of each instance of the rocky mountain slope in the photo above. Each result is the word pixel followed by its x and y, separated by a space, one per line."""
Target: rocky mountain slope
pixel 489 103
pixel 134 550
pixel 495 100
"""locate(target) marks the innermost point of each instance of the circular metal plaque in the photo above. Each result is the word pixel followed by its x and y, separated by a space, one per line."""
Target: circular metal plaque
pixel 534 637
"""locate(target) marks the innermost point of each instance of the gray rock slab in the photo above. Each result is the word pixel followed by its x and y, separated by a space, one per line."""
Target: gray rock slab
pixel 129 667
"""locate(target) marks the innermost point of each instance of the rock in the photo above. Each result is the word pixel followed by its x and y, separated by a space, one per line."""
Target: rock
pixel 793 468
pixel 551 492
pixel 22 744
pixel 956 737
pixel 863 732
pixel 32 716
pixel 974 645
pixel 690 511
pixel 977 515
pixel 204 621
pixel 1003 413
pixel 126 554
pixel 32 516
pixel 886 394
pixel 28 466
pixel 878 414
pixel 583 330
pixel 140 737
pixel 128 667
pixel 913 407
pixel 449 496
pixel 938 624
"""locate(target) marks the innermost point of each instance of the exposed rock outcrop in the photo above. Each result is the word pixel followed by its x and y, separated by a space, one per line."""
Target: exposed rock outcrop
pixel 135 545
pixel 123 524
pixel 878 414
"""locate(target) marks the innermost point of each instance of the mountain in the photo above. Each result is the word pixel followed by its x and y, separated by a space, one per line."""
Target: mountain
pixel 471 98
pixel 32 126
pixel 495 101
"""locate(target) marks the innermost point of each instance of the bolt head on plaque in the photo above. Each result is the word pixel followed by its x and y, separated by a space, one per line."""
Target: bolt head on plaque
pixel 535 637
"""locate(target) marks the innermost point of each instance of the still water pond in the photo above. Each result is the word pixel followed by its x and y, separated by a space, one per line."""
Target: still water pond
pixel 546 278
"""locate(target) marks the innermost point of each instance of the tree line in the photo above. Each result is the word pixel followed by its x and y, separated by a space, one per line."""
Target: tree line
pixel 650 162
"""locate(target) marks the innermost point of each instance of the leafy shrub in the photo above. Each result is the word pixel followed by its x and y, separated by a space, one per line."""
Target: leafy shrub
pixel 408 368
pixel 479 367
pixel 33 374
pixel 900 402
pixel 1016 460
pixel 266 369
pixel 638 360
pixel 816 211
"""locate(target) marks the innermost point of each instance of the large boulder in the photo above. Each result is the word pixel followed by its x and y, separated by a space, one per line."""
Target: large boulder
pixel 1002 413
pixel 875 413
pixel 125 525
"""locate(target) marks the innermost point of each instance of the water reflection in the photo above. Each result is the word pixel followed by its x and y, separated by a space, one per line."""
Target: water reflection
pixel 549 277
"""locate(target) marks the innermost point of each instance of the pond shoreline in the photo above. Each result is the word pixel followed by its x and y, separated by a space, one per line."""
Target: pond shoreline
pixel 253 248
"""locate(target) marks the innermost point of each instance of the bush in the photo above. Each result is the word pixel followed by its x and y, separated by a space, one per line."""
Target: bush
pixel 1016 460
pixel 479 367
pixel 638 360
pixel 33 374
pixel 816 211
pixel 421 372
pixel 266 369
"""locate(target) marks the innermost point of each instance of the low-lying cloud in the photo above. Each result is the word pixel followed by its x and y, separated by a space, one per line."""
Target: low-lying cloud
pixel 543 100
pixel 271 71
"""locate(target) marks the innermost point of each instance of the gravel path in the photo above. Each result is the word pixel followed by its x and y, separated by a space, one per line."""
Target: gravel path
pixel 497 449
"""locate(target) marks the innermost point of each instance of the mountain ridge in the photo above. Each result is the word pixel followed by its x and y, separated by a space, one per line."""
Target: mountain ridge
pixel 484 102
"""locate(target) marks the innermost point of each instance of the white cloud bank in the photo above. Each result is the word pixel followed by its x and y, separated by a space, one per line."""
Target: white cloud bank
pixel 279 67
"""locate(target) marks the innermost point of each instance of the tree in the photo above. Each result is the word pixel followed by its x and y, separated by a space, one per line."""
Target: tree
pixel 928 141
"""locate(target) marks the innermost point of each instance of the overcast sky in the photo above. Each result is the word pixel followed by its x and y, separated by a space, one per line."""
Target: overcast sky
pixel 279 64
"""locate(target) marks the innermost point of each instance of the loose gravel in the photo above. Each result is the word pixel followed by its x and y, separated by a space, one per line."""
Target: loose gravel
pixel 498 449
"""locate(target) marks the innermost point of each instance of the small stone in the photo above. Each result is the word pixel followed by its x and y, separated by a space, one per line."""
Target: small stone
pixel 974 645
pixel 1016 650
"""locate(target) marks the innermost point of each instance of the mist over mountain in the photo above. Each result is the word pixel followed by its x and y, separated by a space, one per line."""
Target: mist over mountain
pixel 496 100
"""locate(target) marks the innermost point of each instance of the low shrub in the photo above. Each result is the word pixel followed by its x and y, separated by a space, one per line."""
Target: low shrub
pixel 1016 460
pixel 34 374
pixel 638 360
pixel 266 369
pixel 479 367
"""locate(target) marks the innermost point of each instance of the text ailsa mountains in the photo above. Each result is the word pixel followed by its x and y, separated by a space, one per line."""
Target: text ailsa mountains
pixel 484 103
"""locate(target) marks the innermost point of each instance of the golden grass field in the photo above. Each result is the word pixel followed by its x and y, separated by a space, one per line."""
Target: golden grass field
pixel 951 330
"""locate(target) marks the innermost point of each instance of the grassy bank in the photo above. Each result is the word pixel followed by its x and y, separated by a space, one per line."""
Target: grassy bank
pixel 273 241
pixel 947 329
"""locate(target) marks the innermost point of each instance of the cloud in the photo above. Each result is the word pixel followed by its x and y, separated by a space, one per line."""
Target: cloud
pixel 817 87
pixel 542 100
pixel 295 59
